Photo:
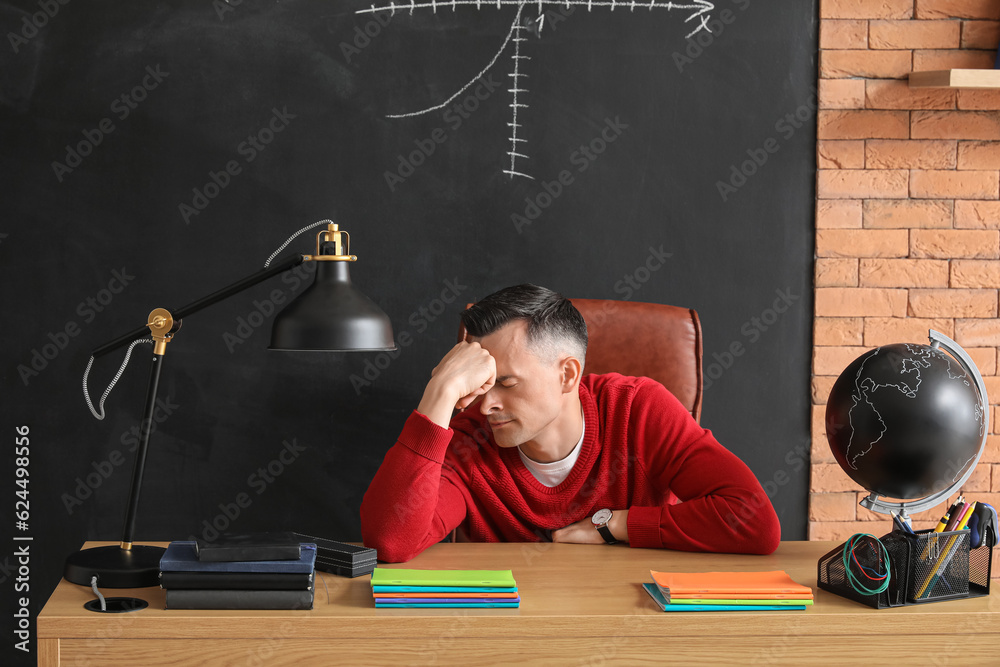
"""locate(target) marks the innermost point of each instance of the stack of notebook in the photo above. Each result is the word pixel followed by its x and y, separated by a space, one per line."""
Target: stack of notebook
pixel 241 573
pixel 727 591
pixel 346 560
pixel 396 588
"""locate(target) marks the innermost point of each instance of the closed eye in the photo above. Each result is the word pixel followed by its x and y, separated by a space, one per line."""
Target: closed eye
pixel 507 381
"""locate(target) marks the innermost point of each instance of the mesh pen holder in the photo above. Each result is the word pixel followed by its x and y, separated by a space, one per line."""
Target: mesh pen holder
pixel 923 567
pixel 938 567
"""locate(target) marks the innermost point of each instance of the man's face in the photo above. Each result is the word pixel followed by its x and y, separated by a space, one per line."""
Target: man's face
pixel 527 397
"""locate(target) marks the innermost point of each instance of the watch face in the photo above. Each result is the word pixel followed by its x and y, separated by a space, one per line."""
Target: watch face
pixel 601 517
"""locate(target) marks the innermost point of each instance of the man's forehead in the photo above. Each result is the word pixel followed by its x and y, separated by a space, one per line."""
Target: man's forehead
pixel 508 344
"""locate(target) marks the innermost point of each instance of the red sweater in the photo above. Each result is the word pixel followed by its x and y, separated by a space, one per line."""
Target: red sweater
pixel 642 451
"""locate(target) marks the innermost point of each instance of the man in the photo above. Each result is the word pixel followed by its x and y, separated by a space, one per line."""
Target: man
pixel 538 452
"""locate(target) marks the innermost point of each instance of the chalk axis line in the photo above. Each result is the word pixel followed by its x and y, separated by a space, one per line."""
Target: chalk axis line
pixel 700 12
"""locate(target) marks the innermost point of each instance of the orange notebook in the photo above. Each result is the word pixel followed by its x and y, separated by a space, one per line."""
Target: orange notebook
pixel 703 584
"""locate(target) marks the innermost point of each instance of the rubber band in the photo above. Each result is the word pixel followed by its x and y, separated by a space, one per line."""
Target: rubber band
pixel 850 547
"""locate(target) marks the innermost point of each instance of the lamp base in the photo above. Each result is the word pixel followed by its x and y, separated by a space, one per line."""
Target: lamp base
pixel 114 567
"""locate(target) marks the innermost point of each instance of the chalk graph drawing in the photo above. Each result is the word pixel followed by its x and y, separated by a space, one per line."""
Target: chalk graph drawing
pixel 699 15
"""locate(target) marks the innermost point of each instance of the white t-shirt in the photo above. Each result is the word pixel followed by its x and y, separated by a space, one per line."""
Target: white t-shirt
pixel 553 474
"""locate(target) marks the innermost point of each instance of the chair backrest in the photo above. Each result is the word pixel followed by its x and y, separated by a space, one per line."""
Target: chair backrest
pixel 648 339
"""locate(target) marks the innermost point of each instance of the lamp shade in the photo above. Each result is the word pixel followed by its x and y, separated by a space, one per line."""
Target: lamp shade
pixel 332 315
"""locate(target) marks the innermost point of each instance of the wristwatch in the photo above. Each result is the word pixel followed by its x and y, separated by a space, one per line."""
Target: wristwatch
pixel 600 519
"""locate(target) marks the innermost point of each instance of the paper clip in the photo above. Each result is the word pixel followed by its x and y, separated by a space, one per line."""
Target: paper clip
pixel 933 547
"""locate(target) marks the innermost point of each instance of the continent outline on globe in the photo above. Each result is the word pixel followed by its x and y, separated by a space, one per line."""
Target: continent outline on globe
pixel 905 421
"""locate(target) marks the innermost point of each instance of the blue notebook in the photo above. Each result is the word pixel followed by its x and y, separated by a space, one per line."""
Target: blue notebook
pixel 181 556
pixel 662 603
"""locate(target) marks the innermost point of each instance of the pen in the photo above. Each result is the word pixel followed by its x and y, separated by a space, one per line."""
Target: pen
pixel 959 502
pixel 966 516
pixel 950 513
pixel 956 516
pixel 947 515
pixel 900 523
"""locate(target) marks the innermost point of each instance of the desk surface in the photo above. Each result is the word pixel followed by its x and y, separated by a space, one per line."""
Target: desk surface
pixel 577 602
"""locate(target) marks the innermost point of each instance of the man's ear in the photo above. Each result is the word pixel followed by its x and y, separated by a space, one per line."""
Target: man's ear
pixel 570 373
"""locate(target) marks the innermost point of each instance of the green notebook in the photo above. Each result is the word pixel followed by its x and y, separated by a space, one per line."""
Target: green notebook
pixel 770 602
pixel 383 576
pixel 662 603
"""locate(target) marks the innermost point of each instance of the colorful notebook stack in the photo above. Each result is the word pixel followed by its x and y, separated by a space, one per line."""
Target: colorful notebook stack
pixel 727 591
pixel 394 588
pixel 272 571
pixel 340 558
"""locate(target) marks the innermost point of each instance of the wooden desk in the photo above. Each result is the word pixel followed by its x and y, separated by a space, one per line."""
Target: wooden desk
pixel 580 604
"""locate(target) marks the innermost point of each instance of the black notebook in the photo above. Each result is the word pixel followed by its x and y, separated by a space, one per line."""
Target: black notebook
pixel 244 581
pixel 341 553
pixel 250 547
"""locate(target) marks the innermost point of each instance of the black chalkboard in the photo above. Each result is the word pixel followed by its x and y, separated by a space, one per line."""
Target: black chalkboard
pixel 153 152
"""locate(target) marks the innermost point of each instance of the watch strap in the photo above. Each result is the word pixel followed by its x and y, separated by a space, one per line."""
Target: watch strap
pixel 606 534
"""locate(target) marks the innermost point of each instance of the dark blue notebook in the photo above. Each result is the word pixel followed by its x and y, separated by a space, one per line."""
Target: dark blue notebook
pixel 180 556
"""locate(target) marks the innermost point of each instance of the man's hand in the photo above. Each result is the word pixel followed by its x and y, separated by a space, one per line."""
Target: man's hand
pixel 465 373
pixel 585 532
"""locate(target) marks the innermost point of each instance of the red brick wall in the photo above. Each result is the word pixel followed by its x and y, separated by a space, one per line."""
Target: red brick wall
pixel 907 214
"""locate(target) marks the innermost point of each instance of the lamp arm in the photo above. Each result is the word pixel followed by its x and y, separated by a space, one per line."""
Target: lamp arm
pixel 162 324
pixel 204 302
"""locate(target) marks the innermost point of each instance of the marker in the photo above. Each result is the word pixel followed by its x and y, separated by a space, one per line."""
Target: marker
pixel 956 516
pixel 947 515
pixel 965 517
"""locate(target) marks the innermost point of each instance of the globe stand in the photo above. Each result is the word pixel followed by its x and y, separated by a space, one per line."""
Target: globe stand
pixel 872 502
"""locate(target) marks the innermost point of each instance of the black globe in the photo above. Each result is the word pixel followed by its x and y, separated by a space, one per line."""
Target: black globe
pixel 905 421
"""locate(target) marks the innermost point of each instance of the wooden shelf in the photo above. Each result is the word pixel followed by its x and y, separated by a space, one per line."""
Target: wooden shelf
pixel 956 78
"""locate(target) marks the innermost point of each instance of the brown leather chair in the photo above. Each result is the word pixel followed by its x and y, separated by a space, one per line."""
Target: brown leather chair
pixel 648 339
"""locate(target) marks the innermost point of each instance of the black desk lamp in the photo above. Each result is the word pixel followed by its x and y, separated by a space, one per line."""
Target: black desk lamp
pixel 331 315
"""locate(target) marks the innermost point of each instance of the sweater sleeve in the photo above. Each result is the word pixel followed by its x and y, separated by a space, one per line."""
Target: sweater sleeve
pixel 413 501
pixel 723 507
